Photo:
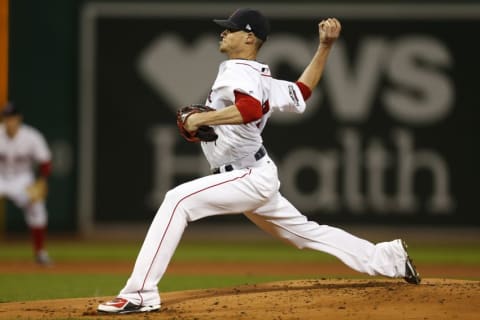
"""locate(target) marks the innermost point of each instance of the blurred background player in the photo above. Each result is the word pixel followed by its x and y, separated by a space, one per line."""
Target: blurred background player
pixel 23 150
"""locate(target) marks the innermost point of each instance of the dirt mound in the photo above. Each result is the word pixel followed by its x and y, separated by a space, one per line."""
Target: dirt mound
pixel 306 299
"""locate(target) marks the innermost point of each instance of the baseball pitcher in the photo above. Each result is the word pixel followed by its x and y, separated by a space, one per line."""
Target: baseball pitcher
pixel 244 178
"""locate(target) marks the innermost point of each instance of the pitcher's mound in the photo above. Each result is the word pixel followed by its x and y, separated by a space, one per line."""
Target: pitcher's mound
pixel 305 299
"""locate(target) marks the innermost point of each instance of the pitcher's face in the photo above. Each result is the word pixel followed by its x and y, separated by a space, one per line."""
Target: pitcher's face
pixel 231 40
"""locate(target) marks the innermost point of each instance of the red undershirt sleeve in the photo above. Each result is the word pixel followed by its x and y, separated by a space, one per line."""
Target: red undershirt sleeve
pixel 306 91
pixel 249 107
pixel 45 169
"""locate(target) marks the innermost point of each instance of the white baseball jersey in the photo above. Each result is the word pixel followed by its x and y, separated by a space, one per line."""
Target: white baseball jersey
pixel 19 155
pixel 236 142
pixel 252 187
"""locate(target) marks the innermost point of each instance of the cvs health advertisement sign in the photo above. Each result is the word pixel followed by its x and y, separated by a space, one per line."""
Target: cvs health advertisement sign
pixel 388 136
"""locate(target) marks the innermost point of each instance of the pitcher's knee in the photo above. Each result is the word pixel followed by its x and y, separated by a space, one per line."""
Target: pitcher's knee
pixel 181 203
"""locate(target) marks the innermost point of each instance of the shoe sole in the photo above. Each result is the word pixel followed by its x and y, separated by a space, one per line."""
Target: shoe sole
pixel 123 311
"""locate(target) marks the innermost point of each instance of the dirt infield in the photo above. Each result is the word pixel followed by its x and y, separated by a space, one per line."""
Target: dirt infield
pixel 322 298
pixel 306 299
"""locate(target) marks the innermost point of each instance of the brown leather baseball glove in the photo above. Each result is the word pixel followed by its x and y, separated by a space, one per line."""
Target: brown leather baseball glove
pixel 38 190
pixel 203 133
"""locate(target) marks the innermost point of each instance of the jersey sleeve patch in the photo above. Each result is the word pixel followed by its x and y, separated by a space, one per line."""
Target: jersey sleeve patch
pixel 286 96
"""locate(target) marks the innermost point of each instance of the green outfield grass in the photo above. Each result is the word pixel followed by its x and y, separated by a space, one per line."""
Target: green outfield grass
pixel 227 251
pixel 49 286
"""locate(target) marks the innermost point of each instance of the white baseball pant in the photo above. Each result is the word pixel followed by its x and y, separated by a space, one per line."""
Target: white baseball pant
pixel 254 191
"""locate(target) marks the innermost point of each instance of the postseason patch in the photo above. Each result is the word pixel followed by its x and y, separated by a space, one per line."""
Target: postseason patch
pixel 293 95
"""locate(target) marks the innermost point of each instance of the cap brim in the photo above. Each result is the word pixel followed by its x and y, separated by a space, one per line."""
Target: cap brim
pixel 226 24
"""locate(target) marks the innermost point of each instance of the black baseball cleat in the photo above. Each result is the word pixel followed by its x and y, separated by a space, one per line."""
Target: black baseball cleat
pixel 123 306
pixel 411 274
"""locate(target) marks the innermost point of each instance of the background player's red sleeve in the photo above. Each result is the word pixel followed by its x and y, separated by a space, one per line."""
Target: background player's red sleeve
pixel 304 89
pixel 249 107
pixel 46 169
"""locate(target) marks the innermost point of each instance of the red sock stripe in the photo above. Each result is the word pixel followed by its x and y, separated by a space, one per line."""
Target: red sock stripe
pixel 38 239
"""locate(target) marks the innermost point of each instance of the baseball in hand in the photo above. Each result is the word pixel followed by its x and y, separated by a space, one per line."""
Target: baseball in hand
pixel 329 30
